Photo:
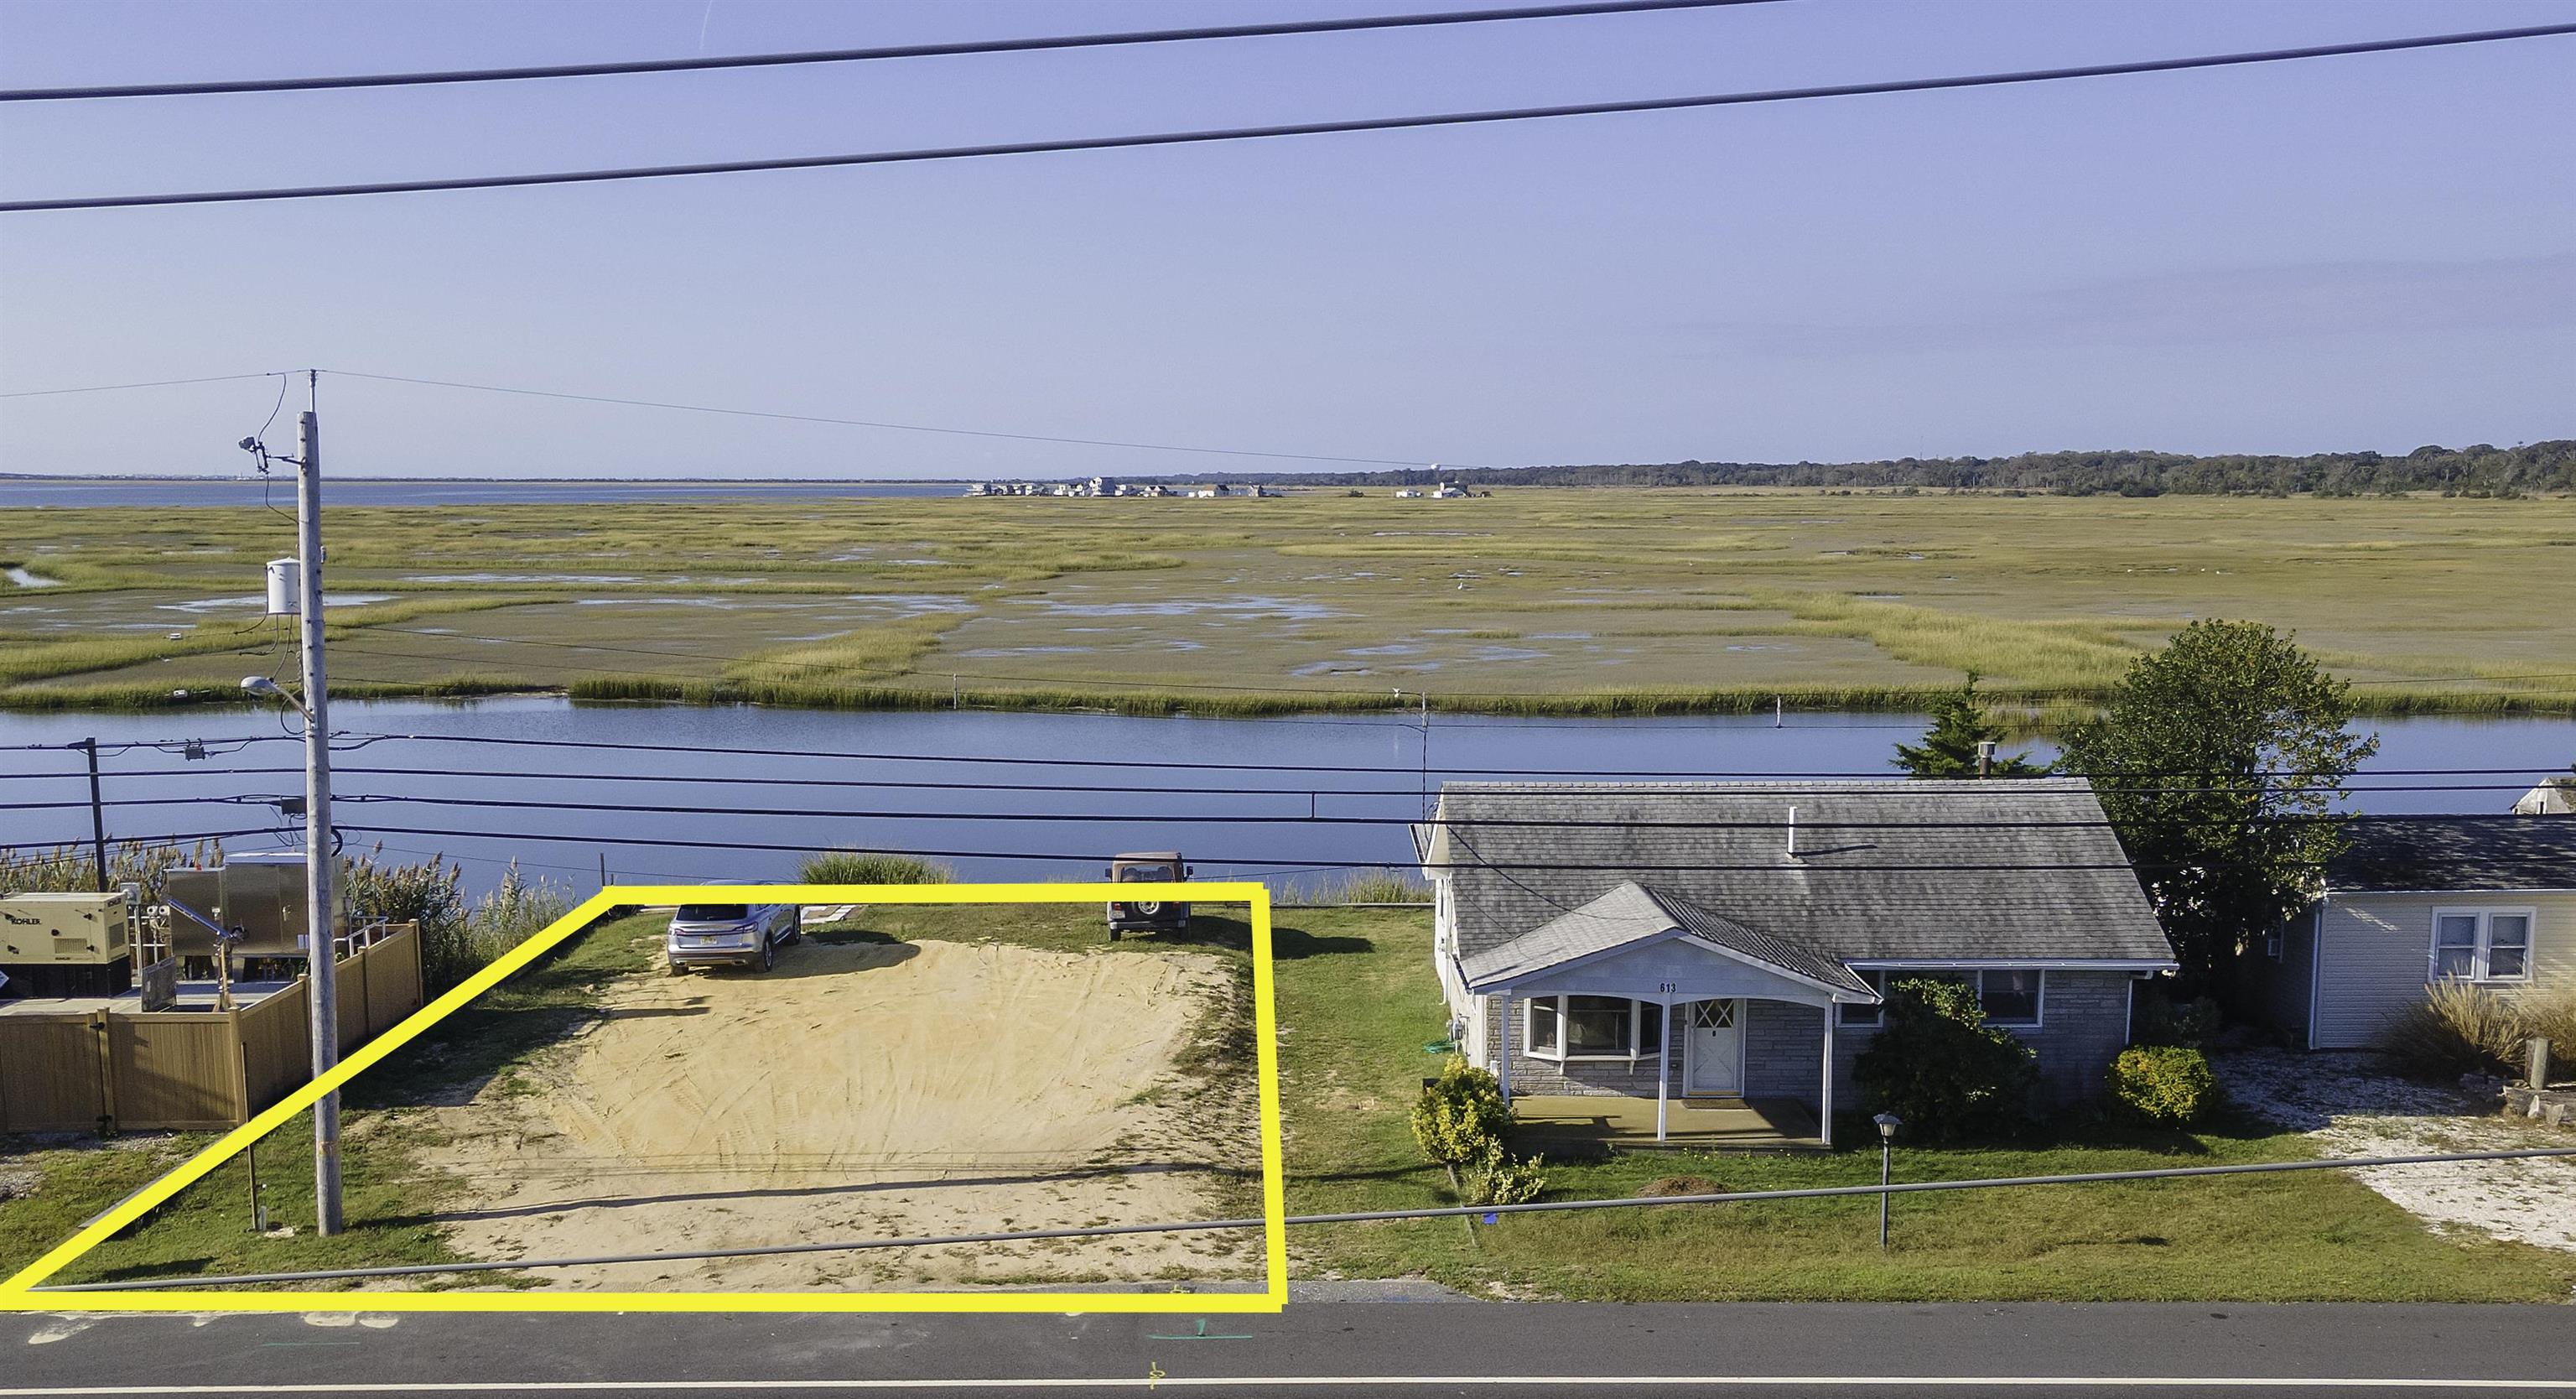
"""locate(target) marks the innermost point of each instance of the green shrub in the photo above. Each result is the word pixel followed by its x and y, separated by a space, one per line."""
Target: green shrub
pixel 869 867
pixel 1494 1178
pixel 2455 1029
pixel 1460 1115
pixel 2190 1024
pixel 1936 1062
pixel 2169 1084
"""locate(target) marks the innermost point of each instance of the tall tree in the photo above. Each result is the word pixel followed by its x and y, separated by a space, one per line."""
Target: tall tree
pixel 1949 747
pixel 2216 760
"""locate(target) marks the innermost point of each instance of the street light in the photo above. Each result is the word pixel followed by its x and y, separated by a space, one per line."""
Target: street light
pixel 266 688
pixel 1887 1122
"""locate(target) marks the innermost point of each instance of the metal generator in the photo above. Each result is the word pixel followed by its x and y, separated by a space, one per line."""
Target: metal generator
pixel 67 944
pixel 258 898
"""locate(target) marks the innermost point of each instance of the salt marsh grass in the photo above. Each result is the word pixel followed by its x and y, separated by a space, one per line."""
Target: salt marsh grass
pixel 1602 601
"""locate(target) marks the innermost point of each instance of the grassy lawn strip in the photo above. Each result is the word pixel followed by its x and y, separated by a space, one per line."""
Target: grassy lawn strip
pixel 1353 1030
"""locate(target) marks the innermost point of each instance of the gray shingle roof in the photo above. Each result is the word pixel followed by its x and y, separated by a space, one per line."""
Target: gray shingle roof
pixel 2458 852
pixel 1869 890
pixel 1633 913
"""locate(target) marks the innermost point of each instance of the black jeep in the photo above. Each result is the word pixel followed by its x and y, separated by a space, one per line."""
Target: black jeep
pixel 1148 915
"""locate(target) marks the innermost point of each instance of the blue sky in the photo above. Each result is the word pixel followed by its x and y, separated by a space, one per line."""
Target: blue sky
pixel 2371 252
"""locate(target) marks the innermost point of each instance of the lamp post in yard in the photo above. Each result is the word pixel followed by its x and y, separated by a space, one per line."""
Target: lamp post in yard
pixel 1887 1122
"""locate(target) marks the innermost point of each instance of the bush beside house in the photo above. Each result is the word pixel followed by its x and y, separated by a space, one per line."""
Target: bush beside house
pixel 1462 1123
pixel 1936 1063
pixel 2166 1084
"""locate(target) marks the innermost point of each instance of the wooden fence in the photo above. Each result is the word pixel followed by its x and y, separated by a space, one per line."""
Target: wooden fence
pixel 191 1070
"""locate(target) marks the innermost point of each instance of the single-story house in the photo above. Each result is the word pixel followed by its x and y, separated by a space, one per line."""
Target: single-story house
pixel 1696 941
pixel 2490 900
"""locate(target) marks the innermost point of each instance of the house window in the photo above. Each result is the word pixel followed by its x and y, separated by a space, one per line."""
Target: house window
pixel 2482 944
pixel 1855 1014
pixel 2010 996
pixel 1592 1027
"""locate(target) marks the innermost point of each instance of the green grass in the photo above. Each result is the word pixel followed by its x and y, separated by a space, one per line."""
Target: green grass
pixel 1357 1002
pixel 1599 602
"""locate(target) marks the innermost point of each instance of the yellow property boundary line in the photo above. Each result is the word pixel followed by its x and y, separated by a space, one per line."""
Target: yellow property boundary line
pixel 15 1294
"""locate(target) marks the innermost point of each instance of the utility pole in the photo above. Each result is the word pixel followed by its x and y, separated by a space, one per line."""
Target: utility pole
pixel 97 813
pixel 321 955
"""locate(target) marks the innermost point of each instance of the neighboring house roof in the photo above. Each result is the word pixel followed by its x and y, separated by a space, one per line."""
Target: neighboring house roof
pixel 1632 913
pixel 2457 852
pixel 2555 797
pixel 1886 871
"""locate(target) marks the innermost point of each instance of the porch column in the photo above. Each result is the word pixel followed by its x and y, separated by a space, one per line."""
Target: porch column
pixel 1825 1120
pixel 1503 1038
pixel 1663 1067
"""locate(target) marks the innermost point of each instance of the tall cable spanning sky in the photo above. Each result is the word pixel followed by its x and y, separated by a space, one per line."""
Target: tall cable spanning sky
pixel 2250 260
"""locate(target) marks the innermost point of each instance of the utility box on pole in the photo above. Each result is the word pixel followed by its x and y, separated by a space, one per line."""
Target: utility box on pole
pixel 285 588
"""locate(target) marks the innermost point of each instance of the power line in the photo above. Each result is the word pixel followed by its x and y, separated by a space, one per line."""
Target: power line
pixel 1233 818
pixel 1251 133
pixel 813 56
pixel 887 426
pixel 1609 775
pixel 1285 862
pixel 149 384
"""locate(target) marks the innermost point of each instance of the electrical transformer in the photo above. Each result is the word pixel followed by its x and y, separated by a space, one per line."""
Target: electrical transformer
pixel 260 896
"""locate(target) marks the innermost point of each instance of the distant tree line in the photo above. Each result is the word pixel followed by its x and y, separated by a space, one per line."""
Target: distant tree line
pixel 2478 471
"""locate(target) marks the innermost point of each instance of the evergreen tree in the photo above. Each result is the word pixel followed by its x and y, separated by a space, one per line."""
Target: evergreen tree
pixel 1949 748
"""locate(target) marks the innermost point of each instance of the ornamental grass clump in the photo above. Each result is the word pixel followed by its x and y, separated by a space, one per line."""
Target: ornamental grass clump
pixel 2458 1028
pixel 869 867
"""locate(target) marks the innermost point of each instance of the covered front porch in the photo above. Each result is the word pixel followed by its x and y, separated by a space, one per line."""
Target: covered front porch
pixel 1627 1018
pixel 1699 1124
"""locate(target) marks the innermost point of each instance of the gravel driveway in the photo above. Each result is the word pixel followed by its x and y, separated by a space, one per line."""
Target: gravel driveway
pixel 2350 1104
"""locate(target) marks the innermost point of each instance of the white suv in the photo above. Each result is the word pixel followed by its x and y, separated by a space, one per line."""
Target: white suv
pixel 740 935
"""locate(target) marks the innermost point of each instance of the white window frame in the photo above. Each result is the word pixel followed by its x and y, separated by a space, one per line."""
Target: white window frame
pixel 1638 1052
pixel 2482 945
pixel 1847 1014
pixel 1880 977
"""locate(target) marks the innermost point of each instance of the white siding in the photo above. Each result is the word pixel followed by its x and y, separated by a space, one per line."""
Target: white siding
pixel 2375 955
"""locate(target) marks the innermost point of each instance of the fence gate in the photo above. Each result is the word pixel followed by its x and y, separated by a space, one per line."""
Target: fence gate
pixel 54 1073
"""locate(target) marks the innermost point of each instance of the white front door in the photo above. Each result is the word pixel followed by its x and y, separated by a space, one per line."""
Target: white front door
pixel 1713 1049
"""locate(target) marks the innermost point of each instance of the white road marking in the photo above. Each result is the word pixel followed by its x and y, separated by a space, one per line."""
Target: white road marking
pixel 2126 1382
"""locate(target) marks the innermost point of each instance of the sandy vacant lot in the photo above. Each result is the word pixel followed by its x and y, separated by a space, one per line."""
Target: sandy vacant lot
pixel 869 1090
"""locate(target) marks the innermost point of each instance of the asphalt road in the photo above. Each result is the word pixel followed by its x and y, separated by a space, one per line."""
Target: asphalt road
pixel 1357 1348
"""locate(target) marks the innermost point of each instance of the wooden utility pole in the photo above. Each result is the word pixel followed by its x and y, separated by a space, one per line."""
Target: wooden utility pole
pixel 321 955
pixel 97 814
